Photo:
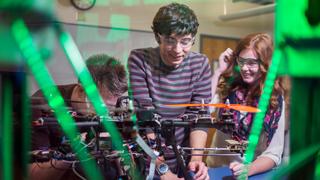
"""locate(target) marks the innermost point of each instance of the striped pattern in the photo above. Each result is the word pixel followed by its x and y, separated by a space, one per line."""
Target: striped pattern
pixel 153 83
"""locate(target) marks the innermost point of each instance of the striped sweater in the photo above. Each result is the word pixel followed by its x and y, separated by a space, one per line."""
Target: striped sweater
pixel 154 84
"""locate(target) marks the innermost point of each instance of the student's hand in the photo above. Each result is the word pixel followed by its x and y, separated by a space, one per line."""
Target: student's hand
pixel 237 168
pixel 223 60
pixel 200 170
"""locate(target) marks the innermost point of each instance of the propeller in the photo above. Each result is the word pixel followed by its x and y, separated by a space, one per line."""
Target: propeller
pixel 237 107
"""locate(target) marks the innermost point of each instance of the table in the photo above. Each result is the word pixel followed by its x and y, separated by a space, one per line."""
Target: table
pixel 224 173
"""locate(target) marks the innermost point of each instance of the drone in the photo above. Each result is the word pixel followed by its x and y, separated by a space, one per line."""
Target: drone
pixel 148 118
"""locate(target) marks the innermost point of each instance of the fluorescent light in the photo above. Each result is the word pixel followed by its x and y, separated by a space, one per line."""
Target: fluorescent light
pixel 249 12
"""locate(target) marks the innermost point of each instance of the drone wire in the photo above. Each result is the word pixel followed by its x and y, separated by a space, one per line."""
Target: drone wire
pixel 75 171
pixel 57 168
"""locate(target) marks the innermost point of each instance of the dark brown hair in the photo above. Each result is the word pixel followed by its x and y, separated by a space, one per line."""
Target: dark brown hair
pixel 175 19
pixel 108 72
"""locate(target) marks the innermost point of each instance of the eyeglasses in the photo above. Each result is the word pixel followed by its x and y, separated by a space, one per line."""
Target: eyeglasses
pixel 170 41
pixel 250 62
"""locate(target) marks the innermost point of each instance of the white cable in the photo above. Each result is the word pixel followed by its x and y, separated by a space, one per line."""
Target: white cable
pixel 76 173
pixel 150 153
pixel 85 145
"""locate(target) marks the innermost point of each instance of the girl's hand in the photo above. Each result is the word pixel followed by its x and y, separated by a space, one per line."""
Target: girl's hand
pixel 223 60
pixel 237 168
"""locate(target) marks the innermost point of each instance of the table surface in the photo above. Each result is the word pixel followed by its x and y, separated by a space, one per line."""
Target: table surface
pixel 224 173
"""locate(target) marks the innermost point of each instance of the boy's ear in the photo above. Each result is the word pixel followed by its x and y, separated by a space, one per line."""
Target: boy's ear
pixel 157 38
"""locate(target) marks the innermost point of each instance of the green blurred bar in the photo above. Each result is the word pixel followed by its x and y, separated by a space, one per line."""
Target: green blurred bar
pixel 89 86
pixel 26 126
pixel 263 106
pixel 51 93
pixel 296 161
pixel 91 90
pixel 297 36
pixel 7 130
pixel 297 39
pixel 317 171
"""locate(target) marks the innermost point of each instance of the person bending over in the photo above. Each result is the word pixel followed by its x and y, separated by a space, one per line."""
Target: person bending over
pixel 111 80
pixel 172 74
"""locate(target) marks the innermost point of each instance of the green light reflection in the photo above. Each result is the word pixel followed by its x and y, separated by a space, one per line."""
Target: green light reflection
pixel 22 3
pixel 51 93
pixel 263 106
pixel 122 22
pixel 155 1
pixel 297 160
pixel 299 42
pixel 103 3
pixel 7 131
pixel 131 2
pixel 317 170
pixel 92 92
pixel 26 131
pixel 296 27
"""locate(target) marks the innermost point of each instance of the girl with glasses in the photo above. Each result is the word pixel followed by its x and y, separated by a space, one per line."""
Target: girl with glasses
pixel 240 78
